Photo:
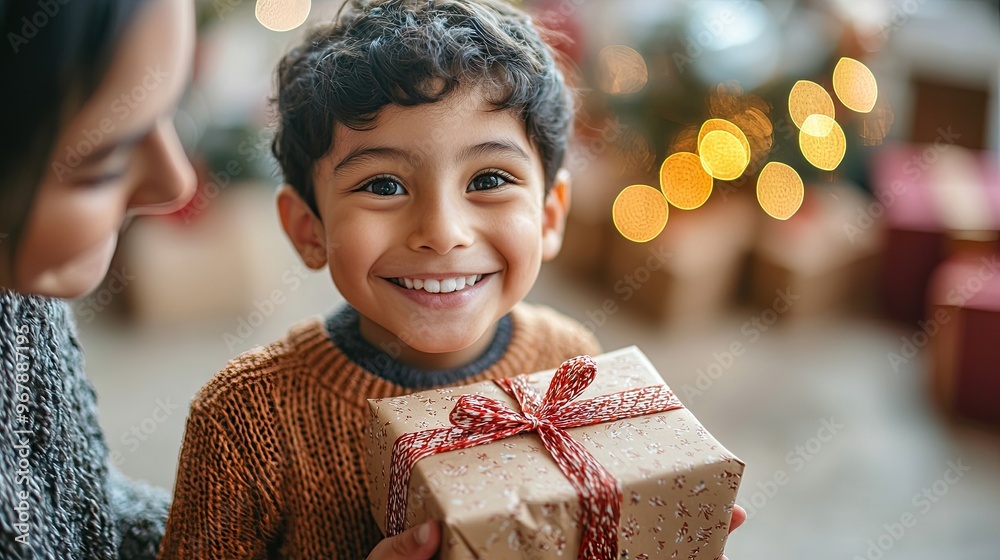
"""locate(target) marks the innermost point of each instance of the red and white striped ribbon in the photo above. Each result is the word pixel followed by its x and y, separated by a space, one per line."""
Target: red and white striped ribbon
pixel 478 419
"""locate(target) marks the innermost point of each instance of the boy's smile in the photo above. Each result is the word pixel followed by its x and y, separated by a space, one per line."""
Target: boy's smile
pixel 433 224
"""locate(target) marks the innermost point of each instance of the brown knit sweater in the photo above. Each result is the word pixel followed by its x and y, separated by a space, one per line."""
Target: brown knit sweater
pixel 273 462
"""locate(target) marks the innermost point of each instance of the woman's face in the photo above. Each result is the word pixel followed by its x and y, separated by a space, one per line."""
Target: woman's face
pixel 119 156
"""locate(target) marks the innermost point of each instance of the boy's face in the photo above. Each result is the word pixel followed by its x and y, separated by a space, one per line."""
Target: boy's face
pixel 443 195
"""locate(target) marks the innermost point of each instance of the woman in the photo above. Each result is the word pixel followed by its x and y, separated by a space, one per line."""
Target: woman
pixel 89 91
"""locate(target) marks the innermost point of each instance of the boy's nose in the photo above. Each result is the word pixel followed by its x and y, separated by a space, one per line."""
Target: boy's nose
pixel 440 226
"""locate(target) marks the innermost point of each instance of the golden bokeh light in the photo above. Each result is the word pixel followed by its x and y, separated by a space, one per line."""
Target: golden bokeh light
pixel 621 70
pixel 818 125
pixel 749 112
pixel 759 131
pixel 684 181
pixel 722 124
pixel 855 85
pixel 809 98
pixel 282 15
pixel 640 213
pixel 779 190
pixel 723 155
pixel 822 142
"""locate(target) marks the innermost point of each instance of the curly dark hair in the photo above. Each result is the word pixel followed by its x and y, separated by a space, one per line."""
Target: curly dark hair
pixel 411 52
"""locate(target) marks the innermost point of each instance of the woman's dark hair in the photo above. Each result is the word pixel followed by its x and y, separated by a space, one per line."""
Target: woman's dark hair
pixel 411 52
pixel 53 56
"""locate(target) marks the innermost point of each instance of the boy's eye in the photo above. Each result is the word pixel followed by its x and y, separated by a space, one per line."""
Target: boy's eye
pixel 384 186
pixel 488 181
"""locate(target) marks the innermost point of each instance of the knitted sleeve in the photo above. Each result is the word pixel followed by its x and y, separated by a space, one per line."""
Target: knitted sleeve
pixel 140 514
pixel 222 505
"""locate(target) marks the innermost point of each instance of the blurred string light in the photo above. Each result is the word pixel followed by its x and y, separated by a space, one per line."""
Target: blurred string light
pixel 779 190
pixel 723 155
pixel 640 213
pixel 808 98
pixel 684 181
pixel 712 125
pixel 749 113
pixel 282 15
pixel 855 85
pixel 621 70
pixel 822 142
pixel 724 150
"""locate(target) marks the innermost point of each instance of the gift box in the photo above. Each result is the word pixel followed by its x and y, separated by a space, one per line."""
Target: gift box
pixel 926 196
pixel 961 332
pixel 810 265
pixel 691 271
pixel 596 460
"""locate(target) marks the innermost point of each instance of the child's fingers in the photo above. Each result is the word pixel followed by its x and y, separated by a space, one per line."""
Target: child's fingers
pixel 421 542
pixel 417 543
pixel 739 516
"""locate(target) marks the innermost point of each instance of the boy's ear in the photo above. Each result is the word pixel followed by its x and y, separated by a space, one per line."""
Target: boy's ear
pixel 303 228
pixel 554 215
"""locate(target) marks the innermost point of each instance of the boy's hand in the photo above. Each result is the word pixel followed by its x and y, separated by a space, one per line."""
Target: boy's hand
pixel 739 516
pixel 416 543
pixel 421 542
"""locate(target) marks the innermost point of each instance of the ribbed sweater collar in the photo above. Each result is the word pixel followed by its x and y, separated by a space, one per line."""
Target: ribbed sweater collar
pixel 325 358
pixel 343 326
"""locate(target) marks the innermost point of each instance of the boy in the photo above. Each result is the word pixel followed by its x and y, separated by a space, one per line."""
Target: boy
pixel 421 143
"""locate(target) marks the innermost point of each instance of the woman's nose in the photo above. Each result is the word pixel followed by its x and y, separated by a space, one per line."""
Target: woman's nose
pixel 168 181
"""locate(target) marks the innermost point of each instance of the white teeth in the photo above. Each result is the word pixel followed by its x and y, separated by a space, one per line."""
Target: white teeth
pixel 443 286
pixel 448 285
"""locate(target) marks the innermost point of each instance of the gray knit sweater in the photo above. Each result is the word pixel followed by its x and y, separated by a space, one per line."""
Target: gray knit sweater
pixel 59 495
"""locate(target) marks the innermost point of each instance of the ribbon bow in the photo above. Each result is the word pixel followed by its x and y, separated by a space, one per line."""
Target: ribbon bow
pixel 478 419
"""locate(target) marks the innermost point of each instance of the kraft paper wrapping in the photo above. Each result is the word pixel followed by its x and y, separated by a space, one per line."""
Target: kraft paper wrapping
pixel 508 499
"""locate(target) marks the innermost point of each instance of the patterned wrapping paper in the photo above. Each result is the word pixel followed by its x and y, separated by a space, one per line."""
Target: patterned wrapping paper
pixel 508 499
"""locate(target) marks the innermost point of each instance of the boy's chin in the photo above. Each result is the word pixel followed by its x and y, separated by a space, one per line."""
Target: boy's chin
pixel 430 344
pixel 444 346
pixel 446 352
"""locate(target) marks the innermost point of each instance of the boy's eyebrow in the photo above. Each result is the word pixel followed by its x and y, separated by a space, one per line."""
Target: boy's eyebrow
pixel 377 152
pixel 503 148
